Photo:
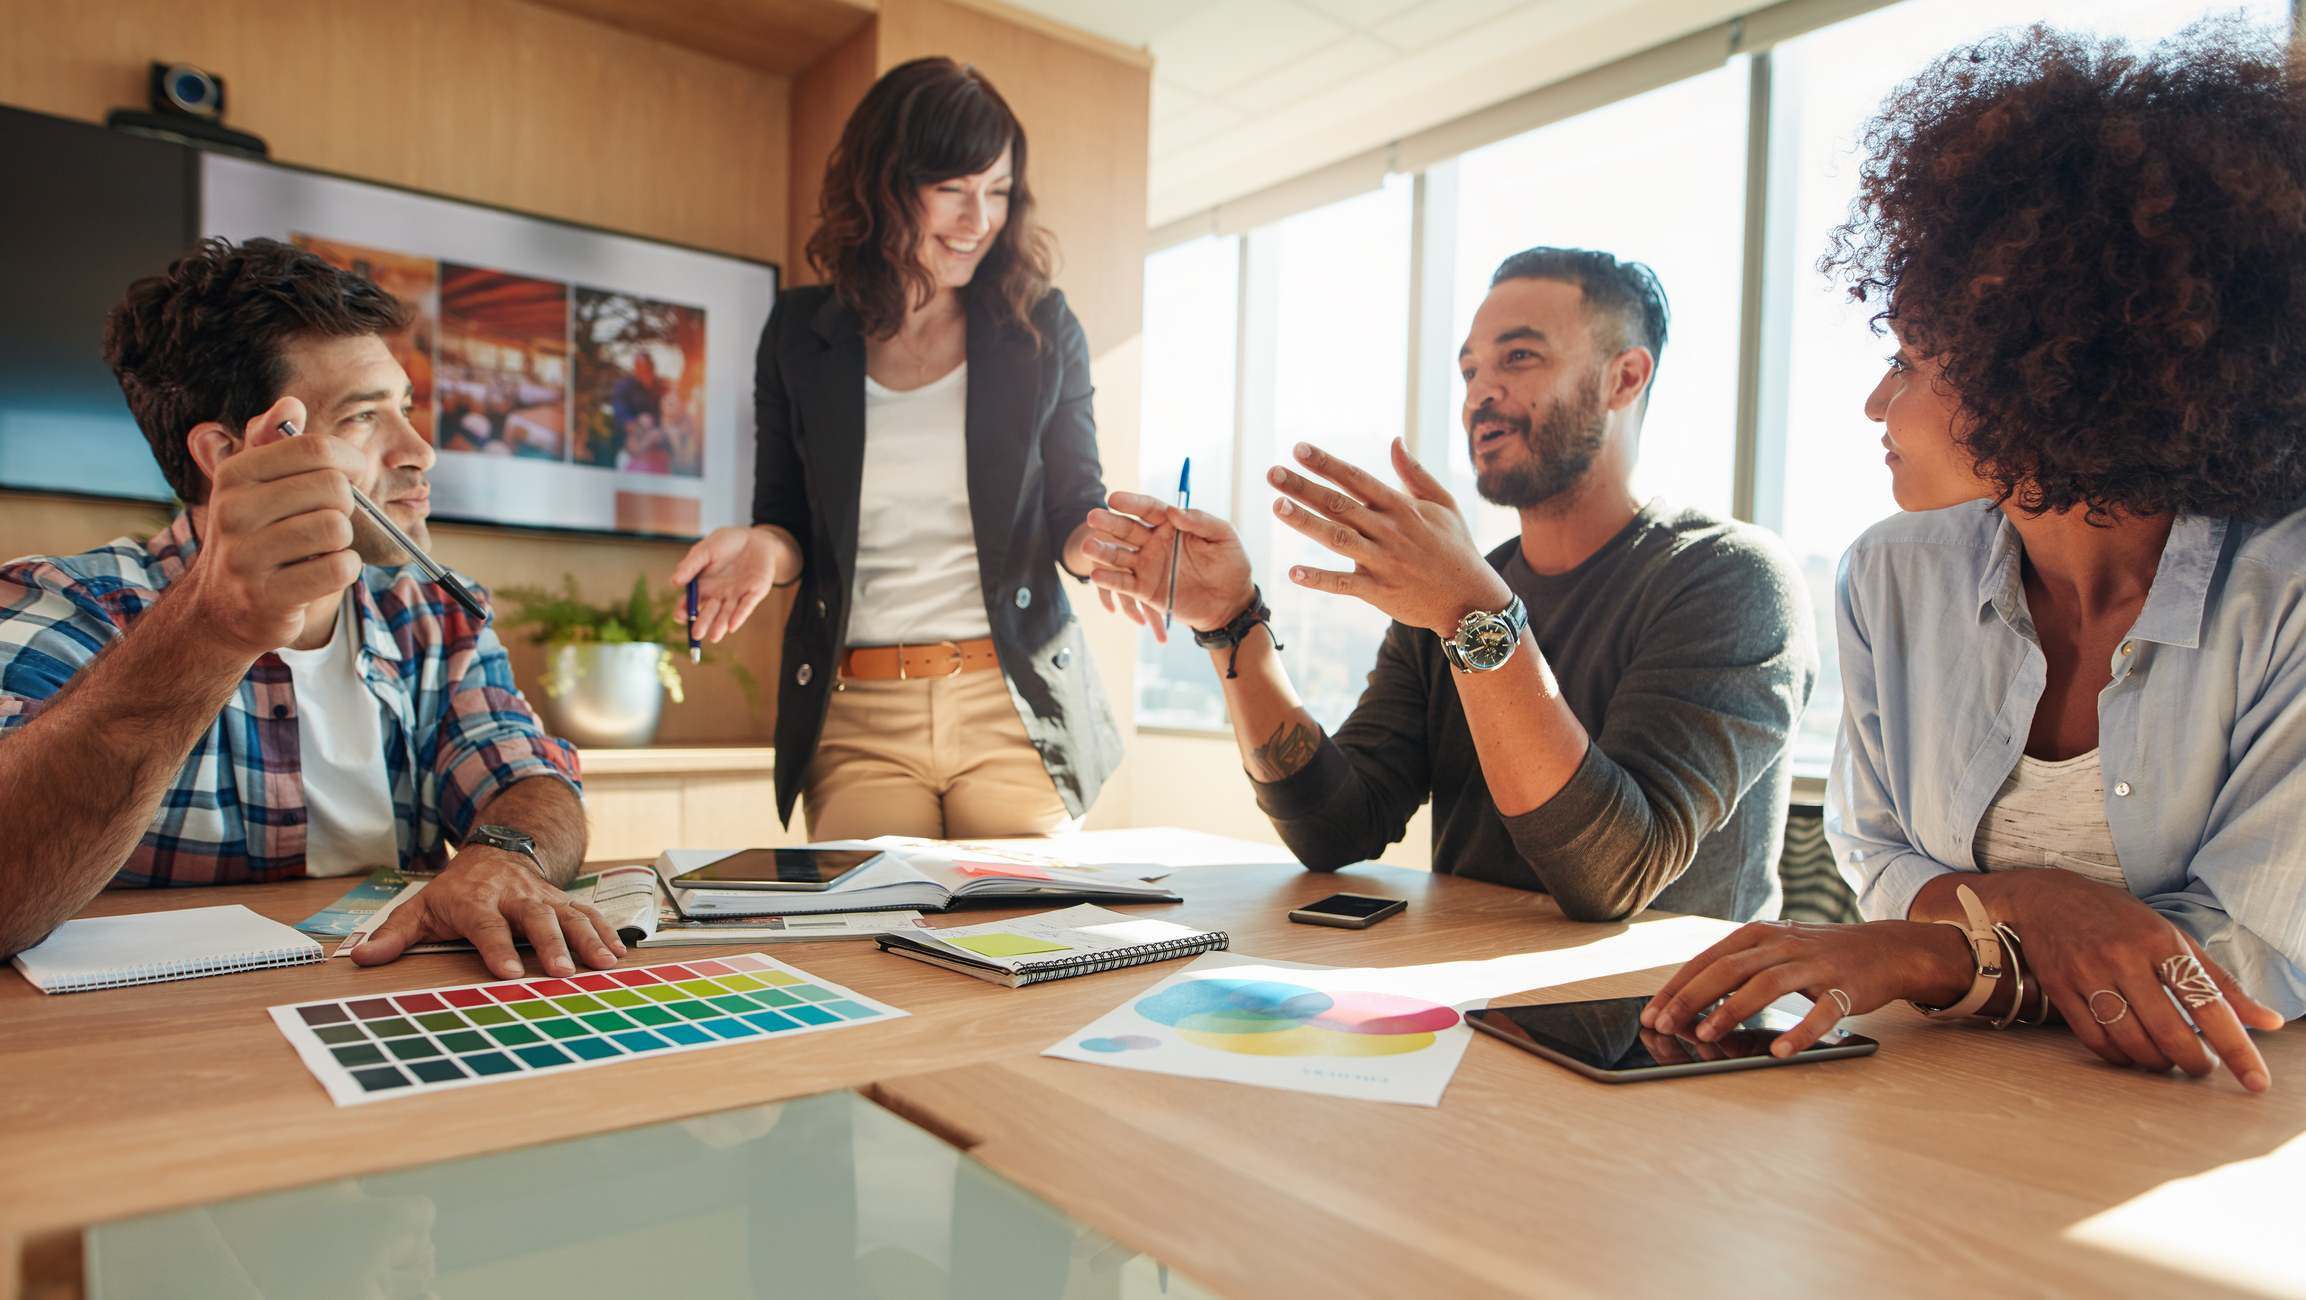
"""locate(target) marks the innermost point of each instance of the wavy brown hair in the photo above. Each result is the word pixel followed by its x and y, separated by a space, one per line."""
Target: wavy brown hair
pixel 2107 251
pixel 926 121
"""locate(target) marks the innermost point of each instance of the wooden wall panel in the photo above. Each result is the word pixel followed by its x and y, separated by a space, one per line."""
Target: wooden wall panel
pixel 492 100
pixel 824 95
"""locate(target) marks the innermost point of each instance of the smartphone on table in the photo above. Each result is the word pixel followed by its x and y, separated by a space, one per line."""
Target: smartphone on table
pixel 1348 911
pixel 1604 1039
pixel 788 869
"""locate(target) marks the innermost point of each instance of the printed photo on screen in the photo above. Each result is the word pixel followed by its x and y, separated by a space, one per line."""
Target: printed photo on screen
pixel 640 384
pixel 503 364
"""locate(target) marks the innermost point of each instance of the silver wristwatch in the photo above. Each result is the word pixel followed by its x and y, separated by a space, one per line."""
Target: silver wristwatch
pixel 1484 641
pixel 508 839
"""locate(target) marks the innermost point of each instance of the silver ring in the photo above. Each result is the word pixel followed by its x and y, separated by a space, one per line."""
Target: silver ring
pixel 2108 993
pixel 2186 978
pixel 1841 998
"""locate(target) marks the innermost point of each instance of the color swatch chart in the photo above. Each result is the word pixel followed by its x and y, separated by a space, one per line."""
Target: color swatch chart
pixel 403 1044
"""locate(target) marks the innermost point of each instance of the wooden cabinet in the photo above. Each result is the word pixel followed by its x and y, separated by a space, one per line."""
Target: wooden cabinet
pixel 640 802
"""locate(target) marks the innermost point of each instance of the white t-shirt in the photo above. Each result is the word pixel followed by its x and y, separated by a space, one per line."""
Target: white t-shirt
pixel 349 826
pixel 917 576
pixel 2051 815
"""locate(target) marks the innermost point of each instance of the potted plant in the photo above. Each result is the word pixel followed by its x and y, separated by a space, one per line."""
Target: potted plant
pixel 607 667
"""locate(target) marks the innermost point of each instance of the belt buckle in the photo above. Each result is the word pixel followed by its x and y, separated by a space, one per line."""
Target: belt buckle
pixel 958 661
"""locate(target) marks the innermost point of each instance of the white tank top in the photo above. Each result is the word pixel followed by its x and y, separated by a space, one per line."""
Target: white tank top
pixel 2051 815
pixel 916 545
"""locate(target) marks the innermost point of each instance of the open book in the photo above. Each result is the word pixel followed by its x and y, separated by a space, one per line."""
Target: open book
pixel 1052 946
pixel 924 875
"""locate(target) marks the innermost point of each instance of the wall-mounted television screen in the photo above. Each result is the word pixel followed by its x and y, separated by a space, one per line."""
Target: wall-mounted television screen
pixel 568 377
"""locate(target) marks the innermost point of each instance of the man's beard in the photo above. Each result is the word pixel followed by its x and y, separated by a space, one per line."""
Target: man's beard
pixel 372 544
pixel 1561 450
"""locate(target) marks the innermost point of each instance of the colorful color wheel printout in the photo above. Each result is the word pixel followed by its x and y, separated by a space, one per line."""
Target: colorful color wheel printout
pixel 1269 1018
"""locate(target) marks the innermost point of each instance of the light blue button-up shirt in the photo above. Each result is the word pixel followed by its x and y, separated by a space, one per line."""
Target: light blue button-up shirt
pixel 2201 734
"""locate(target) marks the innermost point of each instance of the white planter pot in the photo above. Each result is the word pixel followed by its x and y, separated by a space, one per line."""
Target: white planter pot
pixel 613 697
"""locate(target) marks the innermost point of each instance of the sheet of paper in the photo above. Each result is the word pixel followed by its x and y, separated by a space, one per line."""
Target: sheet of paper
pixel 1378 1033
pixel 1281 1025
pixel 408 1044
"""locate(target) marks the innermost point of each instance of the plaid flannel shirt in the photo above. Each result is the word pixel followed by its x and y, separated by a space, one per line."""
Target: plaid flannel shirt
pixel 456 730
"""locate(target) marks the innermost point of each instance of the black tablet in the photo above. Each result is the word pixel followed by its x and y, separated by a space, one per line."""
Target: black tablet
pixel 798 869
pixel 1604 1040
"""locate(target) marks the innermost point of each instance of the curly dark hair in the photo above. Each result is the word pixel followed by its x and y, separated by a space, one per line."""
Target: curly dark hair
pixel 926 121
pixel 2107 252
pixel 203 341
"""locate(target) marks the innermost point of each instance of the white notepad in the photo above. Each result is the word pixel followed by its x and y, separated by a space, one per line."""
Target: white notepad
pixel 102 952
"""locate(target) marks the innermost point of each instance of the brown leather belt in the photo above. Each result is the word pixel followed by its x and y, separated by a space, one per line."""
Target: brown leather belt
pixel 935 659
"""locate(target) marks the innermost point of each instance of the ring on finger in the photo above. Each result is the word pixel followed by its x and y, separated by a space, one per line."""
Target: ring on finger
pixel 2186 978
pixel 1842 1000
pixel 2108 993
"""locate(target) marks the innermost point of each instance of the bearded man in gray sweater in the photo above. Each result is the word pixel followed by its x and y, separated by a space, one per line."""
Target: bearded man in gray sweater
pixel 1599 710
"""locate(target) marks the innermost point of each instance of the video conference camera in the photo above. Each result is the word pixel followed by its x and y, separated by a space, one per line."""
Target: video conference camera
pixel 187 108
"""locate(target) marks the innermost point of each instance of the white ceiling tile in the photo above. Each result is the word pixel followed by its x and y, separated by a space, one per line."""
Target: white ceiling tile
pixel 1438 20
pixel 1194 126
pixel 1532 46
pixel 1225 45
pixel 1131 22
pixel 1316 71
pixel 1171 99
pixel 1361 13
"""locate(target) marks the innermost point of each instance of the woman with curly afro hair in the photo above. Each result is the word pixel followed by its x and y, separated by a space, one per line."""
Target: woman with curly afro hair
pixel 2075 668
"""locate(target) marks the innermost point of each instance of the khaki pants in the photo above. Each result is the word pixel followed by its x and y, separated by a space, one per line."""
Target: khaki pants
pixel 938 757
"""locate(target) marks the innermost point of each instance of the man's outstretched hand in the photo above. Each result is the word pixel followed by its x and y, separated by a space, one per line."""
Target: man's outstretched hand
pixel 1130 545
pixel 486 896
pixel 1413 555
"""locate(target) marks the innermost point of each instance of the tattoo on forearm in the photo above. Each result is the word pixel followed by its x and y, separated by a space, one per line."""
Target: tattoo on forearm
pixel 1286 752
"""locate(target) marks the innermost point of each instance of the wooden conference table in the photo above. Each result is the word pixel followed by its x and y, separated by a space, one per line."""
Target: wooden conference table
pixel 1950 1163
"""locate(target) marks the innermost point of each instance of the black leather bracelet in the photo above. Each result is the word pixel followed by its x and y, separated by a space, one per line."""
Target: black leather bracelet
pixel 1234 633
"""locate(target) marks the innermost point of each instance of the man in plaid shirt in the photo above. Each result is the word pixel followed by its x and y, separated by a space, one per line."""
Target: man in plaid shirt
pixel 263 691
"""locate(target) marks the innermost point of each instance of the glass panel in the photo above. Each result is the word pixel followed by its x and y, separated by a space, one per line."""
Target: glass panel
pixel 1831 81
pixel 1658 179
pixel 829 1198
pixel 1192 317
pixel 1340 381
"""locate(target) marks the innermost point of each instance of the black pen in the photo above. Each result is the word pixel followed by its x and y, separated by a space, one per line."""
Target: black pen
pixel 433 569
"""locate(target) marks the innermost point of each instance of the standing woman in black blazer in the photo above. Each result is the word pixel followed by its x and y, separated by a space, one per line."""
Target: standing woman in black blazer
pixel 927 457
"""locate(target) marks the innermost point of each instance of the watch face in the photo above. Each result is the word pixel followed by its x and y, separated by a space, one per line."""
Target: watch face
pixel 501 837
pixel 1486 642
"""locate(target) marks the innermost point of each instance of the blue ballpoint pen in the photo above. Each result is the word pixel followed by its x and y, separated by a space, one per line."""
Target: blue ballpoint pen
pixel 1177 540
pixel 696 648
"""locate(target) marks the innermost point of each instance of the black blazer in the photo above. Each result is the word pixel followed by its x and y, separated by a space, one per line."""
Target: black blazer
pixel 1033 478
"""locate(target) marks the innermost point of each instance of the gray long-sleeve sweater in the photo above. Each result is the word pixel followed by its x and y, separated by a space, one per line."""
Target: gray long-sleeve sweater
pixel 1684 646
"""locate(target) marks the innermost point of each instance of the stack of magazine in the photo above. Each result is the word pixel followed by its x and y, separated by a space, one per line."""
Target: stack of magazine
pixel 917 875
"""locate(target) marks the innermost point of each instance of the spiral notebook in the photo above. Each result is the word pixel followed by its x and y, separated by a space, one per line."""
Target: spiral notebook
pixel 102 952
pixel 1052 946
